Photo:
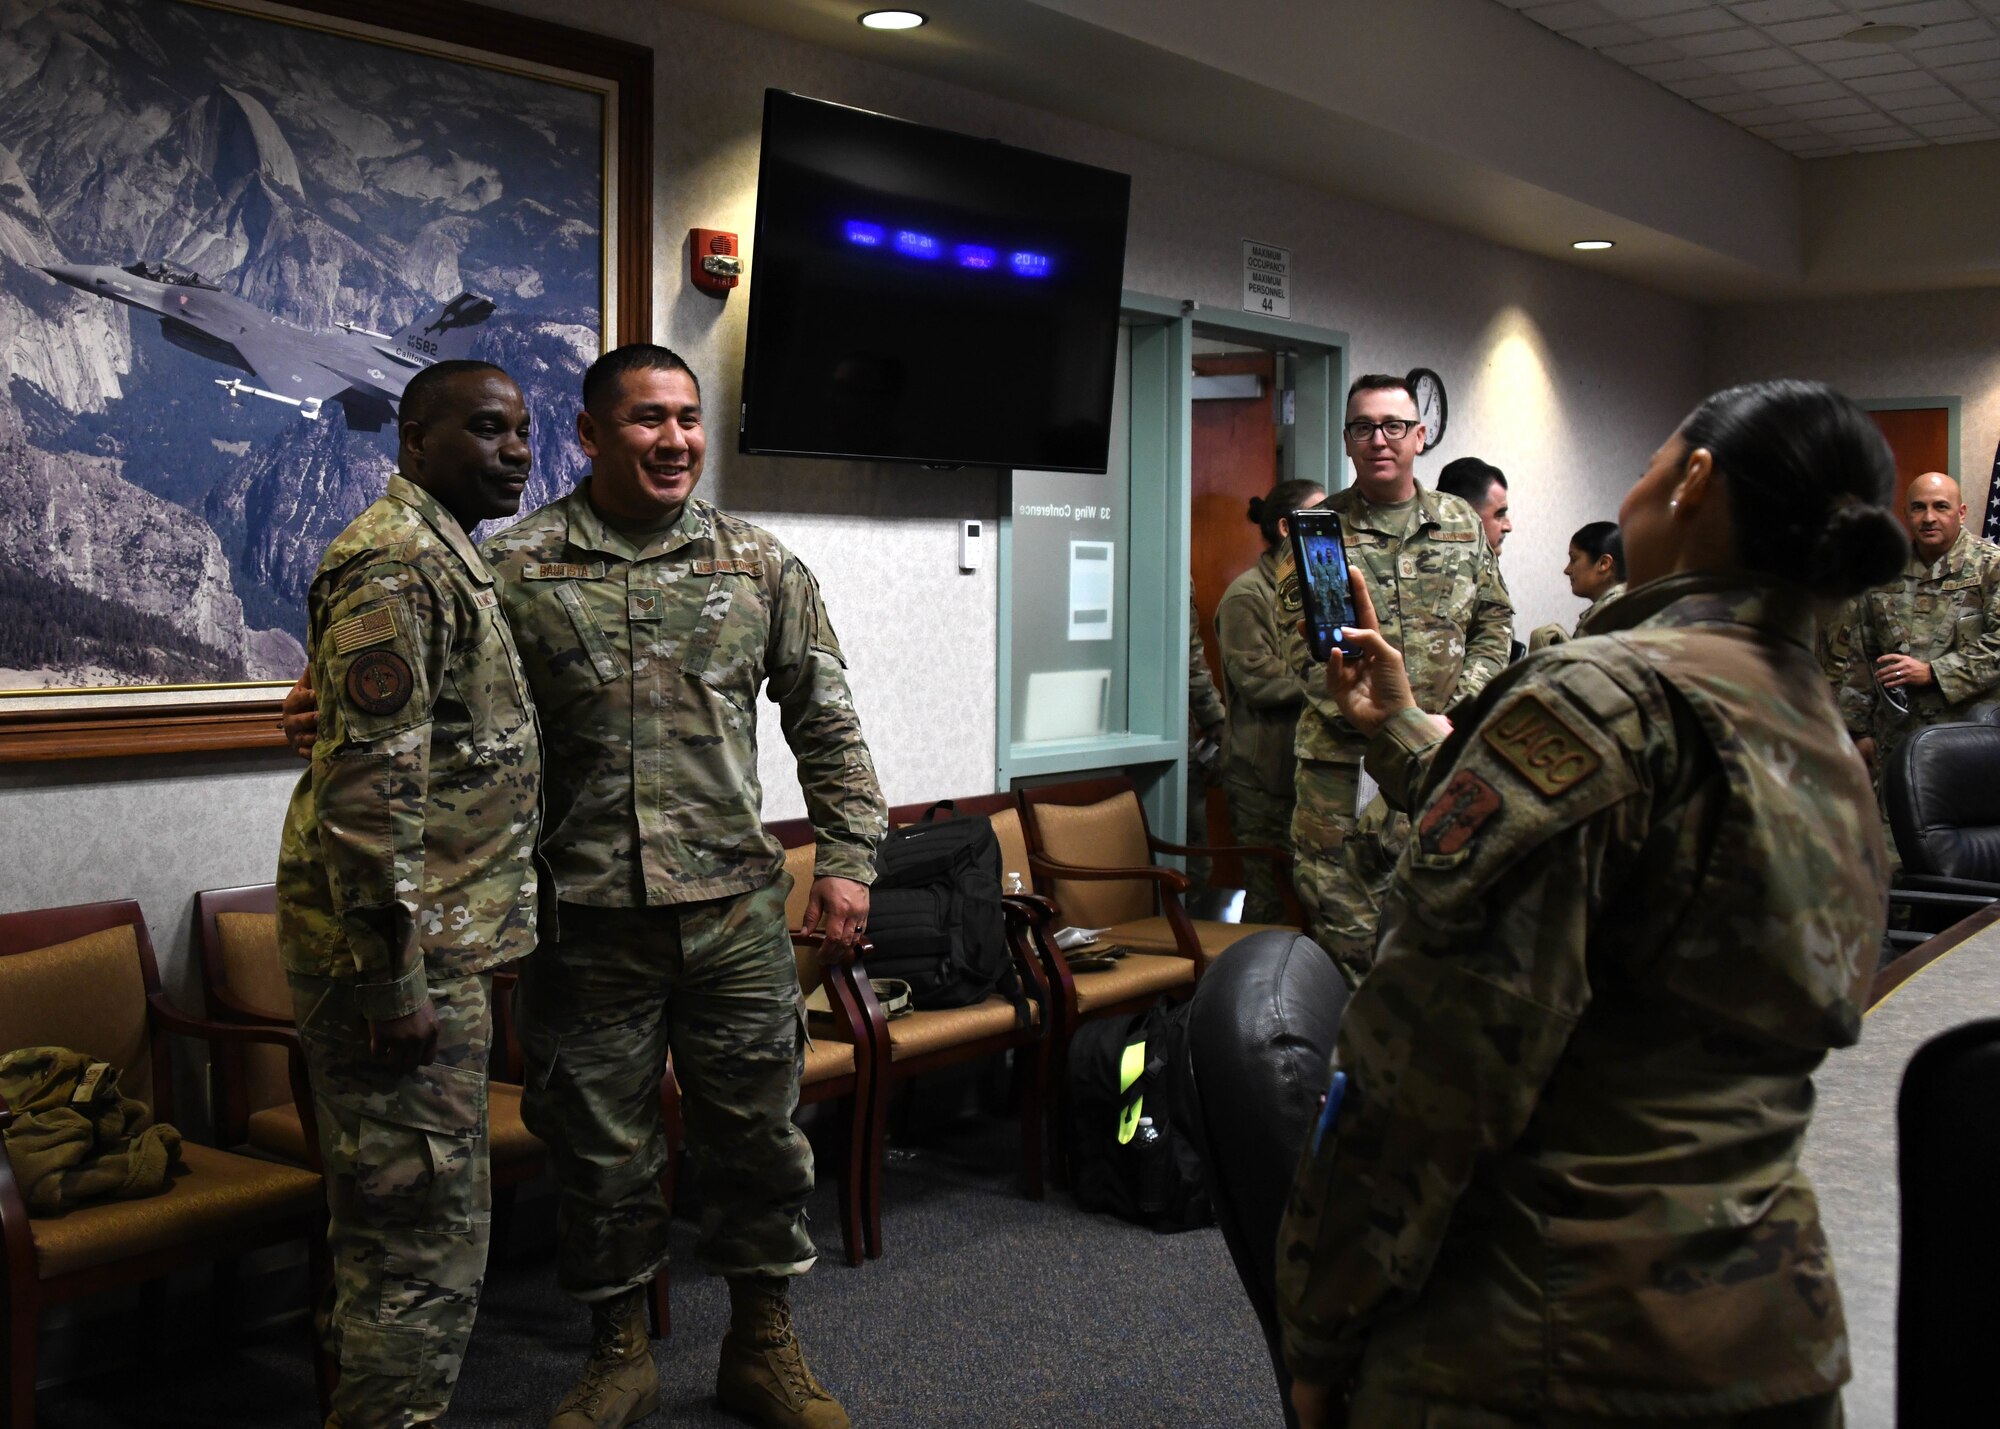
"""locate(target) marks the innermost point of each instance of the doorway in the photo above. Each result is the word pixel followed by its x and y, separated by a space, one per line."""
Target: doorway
pixel 1922 433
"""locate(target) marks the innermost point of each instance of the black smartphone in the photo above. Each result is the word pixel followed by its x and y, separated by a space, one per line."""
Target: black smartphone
pixel 1321 558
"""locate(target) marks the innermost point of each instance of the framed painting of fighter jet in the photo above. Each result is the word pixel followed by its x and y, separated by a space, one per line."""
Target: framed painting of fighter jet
pixel 230 233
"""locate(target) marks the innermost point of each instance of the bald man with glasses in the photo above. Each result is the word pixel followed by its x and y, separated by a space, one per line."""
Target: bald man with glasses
pixel 1437 590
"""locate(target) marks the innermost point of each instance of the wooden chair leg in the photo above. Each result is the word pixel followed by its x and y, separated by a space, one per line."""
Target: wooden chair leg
pixel 1031 1076
pixel 659 1307
pixel 852 1187
pixel 871 1181
pixel 23 1327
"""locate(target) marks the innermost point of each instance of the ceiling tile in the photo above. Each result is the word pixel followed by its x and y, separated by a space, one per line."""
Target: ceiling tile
pixel 1708 86
pixel 1832 108
pixel 1826 30
pixel 1568 15
pixel 1732 105
pixel 1958 74
pixel 1645 52
pixel 1915 81
pixel 1803 93
pixel 1933 113
pixel 1855 124
pixel 1764 76
pixel 1826 151
pixel 1885 134
pixel 1789 129
pixel 1980 89
pixel 1957 128
pixel 1905 100
pixel 1779 12
pixel 1921 12
pixel 1977 137
pixel 1868 64
pixel 1968 53
pixel 1957 33
pixel 1721 42
pixel 1688 22
pixel 1599 36
pixel 1882 146
pixel 1645 9
pixel 1674 69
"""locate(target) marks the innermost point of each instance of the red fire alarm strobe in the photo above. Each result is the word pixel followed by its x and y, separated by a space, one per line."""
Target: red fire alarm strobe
pixel 713 265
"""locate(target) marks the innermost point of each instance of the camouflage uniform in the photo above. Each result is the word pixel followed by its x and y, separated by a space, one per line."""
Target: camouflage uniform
pixel 1947 613
pixel 1642 902
pixel 645 655
pixel 406 874
pixel 1205 713
pixel 1547 635
pixel 1439 599
pixel 1265 694
pixel 1835 642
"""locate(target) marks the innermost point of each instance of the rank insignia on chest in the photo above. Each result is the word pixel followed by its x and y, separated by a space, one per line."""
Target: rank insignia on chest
pixel 642 605
pixel 486 598
pixel 1541 746
pixel 1466 803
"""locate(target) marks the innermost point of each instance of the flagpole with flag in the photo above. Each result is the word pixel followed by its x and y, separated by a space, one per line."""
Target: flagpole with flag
pixel 1990 526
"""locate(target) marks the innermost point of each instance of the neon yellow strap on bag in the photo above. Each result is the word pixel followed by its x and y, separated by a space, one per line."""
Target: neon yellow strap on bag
pixel 1130 1068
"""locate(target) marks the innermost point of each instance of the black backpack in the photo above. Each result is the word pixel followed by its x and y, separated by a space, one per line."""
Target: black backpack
pixel 1127 1156
pixel 935 917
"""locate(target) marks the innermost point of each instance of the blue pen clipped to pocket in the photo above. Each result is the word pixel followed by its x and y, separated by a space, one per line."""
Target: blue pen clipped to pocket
pixel 1329 1110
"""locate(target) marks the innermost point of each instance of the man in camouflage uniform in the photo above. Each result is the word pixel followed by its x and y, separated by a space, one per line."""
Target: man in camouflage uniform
pixel 648 620
pixel 406 875
pixel 1441 603
pixel 1562 1184
pixel 1932 639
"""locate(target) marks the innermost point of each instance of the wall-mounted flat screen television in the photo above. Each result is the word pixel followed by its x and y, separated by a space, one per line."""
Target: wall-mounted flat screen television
pixel 918 295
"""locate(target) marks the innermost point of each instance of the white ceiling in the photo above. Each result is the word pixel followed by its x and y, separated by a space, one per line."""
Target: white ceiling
pixel 1779 68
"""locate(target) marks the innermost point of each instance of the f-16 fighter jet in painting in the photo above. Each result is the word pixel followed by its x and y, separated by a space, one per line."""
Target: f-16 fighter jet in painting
pixel 304 367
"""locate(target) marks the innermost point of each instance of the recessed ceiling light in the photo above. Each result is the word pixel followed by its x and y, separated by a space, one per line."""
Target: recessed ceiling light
pixel 1871 33
pixel 892 19
pixel 1592 245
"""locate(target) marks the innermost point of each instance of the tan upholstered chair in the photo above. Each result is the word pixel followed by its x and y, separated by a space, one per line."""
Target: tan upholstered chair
pixel 839 1063
pixel 919 1042
pixel 1093 855
pixel 84 978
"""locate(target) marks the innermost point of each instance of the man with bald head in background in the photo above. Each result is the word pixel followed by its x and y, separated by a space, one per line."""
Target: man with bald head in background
pixel 1926 647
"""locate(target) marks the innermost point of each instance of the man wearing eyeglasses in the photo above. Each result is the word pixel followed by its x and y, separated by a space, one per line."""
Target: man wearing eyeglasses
pixel 1437 590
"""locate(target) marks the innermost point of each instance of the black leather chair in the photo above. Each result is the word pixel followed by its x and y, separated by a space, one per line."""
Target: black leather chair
pixel 1942 793
pixel 1948 1162
pixel 1260 1035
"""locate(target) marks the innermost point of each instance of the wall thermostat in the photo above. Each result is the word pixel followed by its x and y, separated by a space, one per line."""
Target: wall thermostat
pixel 971 544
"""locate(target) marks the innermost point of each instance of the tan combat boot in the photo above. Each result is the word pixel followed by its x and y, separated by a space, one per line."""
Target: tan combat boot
pixel 763 1374
pixel 620 1384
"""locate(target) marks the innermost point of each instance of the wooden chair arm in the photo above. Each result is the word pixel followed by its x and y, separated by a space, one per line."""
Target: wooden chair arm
pixel 1276 855
pixel 1177 882
pixel 240 1011
pixel 1031 909
pixel 175 1020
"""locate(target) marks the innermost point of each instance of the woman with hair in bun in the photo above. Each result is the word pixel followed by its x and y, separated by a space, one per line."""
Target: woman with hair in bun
pixel 1265 695
pixel 1556 1180
pixel 1596 572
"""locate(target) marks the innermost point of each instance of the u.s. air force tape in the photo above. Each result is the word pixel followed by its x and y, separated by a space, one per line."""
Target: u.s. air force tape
pixel 379 682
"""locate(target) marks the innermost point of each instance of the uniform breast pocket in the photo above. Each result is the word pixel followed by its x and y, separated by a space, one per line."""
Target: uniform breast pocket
pixel 486 678
pixel 594 659
pixel 1457 578
pixel 726 651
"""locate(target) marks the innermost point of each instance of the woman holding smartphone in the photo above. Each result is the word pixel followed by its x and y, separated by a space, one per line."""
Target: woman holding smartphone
pixel 1643 899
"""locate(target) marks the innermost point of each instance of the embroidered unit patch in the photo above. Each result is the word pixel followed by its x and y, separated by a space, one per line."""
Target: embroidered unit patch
pixel 1542 747
pixel 379 682
pixel 1467 802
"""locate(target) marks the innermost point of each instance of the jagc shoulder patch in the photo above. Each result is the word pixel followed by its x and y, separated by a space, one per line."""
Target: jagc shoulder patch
pixel 1467 802
pixel 371 627
pixel 379 682
pixel 1542 747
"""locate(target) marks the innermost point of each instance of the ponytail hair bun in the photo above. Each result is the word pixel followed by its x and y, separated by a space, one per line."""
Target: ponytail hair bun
pixel 1282 500
pixel 1809 480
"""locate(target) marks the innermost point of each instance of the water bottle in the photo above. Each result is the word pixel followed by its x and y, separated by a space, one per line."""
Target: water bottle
pixel 1015 884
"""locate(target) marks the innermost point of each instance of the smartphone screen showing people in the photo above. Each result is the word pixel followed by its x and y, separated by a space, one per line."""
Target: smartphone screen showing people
pixel 1321 558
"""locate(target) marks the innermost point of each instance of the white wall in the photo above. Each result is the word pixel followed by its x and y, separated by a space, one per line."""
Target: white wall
pixel 1565 380
pixel 1897 345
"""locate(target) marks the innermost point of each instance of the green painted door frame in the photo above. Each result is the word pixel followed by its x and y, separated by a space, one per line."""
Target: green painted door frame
pixel 1153 749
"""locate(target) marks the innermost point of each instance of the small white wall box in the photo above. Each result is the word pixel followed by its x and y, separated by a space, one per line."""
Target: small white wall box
pixel 971 544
